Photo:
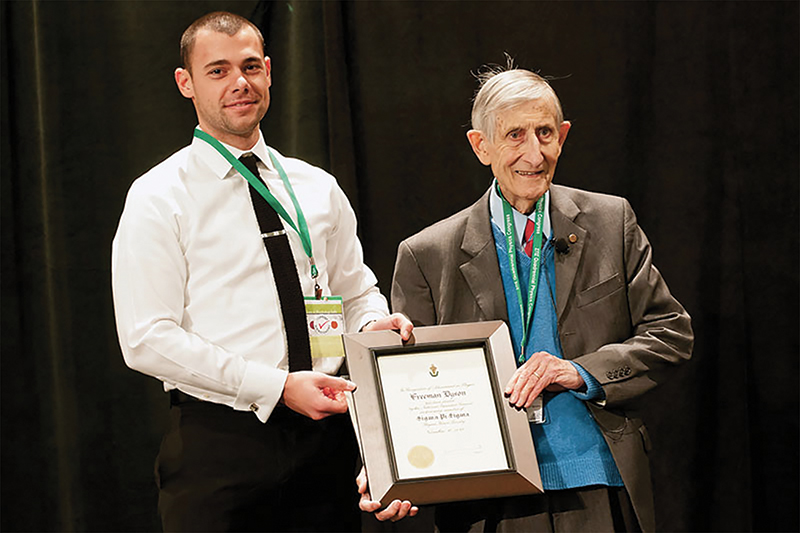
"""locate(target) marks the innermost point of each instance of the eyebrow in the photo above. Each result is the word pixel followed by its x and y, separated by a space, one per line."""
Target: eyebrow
pixel 216 63
pixel 221 62
pixel 512 129
pixel 536 127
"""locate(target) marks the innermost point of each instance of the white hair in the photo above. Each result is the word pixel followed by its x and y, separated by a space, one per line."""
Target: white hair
pixel 504 88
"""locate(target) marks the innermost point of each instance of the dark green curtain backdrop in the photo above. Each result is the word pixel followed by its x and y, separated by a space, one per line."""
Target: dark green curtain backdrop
pixel 688 109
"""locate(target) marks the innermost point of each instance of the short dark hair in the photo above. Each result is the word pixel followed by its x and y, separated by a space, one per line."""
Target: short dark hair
pixel 218 21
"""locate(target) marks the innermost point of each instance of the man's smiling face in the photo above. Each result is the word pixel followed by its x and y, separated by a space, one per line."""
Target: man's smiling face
pixel 523 152
pixel 228 81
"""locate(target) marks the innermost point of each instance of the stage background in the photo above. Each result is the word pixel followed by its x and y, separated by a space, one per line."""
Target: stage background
pixel 688 109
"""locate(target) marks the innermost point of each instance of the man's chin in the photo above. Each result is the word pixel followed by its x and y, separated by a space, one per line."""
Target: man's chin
pixel 243 122
pixel 242 129
pixel 536 192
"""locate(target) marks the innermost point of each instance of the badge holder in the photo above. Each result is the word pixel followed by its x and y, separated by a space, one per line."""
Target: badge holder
pixel 325 318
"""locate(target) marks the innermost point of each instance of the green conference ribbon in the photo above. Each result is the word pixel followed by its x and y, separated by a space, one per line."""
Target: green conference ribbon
pixel 302 227
pixel 536 261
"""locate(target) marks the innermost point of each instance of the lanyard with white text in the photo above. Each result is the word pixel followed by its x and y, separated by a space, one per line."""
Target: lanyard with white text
pixel 536 256
pixel 302 227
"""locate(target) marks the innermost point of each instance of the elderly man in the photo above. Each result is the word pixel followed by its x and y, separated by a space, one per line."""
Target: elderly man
pixel 215 251
pixel 592 321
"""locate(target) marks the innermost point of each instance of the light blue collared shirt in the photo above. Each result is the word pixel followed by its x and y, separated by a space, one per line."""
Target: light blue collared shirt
pixel 520 220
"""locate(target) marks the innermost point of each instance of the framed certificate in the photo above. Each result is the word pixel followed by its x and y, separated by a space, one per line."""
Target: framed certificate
pixel 430 415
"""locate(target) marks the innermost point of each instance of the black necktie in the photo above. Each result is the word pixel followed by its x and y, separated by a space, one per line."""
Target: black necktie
pixel 284 271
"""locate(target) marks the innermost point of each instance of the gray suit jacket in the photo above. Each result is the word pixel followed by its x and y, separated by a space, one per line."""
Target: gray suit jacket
pixel 616 316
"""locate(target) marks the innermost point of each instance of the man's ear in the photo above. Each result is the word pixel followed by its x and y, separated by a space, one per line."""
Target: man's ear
pixel 183 79
pixel 562 132
pixel 268 69
pixel 478 142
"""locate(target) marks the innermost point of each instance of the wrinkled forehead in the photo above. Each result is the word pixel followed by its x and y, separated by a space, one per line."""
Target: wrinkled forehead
pixel 530 113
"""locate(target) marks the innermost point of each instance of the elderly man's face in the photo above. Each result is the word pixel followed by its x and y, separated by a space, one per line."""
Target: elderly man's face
pixel 524 152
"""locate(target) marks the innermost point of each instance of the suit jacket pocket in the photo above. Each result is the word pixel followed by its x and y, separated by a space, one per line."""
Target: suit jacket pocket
pixel 600 290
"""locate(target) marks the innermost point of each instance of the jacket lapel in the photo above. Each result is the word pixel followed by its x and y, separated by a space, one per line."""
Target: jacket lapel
pixel 563 212
pixel 482 271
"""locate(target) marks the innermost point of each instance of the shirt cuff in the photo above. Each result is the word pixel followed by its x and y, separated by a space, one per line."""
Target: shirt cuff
pixel 367 318
pixel 594 391
pixel 261 389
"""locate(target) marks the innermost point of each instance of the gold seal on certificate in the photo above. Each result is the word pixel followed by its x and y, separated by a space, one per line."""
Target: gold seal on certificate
pixel 431 418
pixel 420 457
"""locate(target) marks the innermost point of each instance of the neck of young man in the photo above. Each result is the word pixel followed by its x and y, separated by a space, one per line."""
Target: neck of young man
pixel 244 141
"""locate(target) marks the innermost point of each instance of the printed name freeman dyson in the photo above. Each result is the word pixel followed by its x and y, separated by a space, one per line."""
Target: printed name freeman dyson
pixel 437 395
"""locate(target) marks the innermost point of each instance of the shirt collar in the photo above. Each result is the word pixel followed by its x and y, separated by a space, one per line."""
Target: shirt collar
pixel 219 165
pixel 520 220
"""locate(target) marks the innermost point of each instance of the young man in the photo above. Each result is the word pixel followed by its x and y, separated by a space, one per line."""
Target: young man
pixel 208 291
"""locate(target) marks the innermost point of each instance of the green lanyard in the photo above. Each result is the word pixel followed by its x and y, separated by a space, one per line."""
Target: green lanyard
pixel 258 185
pixel 511 247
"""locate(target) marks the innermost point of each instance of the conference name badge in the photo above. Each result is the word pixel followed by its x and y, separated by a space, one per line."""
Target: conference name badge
pixel 325 319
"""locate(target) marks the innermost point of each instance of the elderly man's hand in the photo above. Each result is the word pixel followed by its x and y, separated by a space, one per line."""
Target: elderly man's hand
pixel 541 372
pixel 395 321
pixel 395 511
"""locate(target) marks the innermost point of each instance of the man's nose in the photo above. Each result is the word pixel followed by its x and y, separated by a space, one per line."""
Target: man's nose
pixel 242 83
pixel 532 151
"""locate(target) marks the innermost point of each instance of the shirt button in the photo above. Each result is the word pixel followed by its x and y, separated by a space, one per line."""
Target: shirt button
pixel 254 407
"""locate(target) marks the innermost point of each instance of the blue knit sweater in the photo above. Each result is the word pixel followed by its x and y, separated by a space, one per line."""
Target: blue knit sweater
pixel 569 446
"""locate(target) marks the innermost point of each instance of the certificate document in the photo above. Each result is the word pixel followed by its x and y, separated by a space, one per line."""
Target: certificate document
pixel 429 412
pixel 442 413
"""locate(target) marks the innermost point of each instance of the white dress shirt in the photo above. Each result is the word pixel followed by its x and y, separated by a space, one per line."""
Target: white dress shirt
pixel 195 300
